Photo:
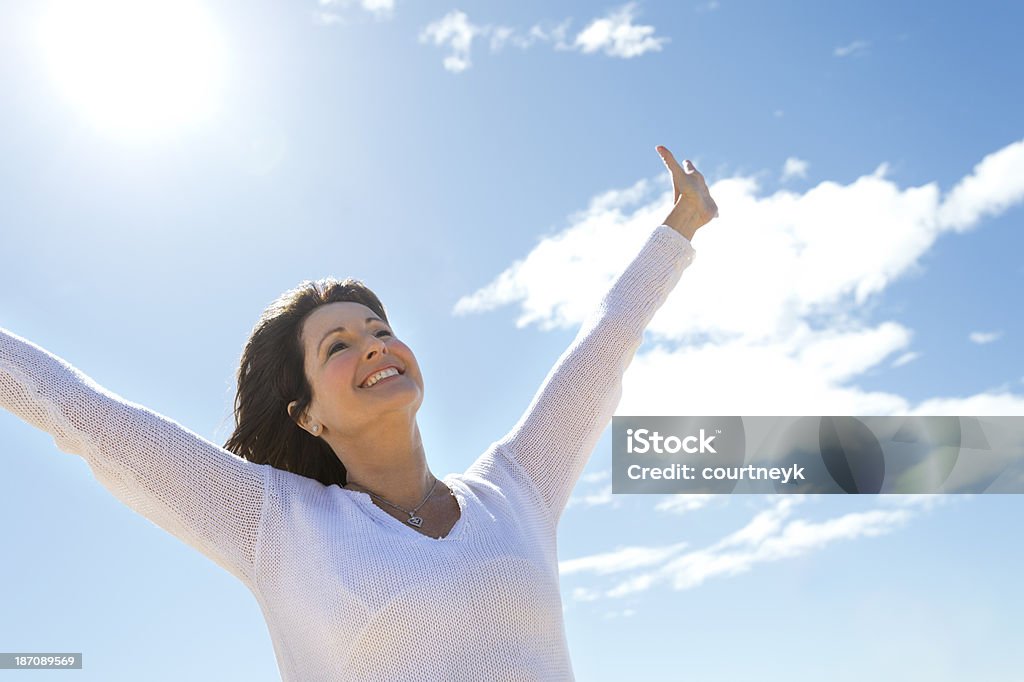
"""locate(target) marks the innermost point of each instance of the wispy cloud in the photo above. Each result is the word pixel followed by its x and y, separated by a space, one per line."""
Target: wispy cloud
pixel 981 338
pixel 455 31
pixel 771 535
pixel 615 35
pixel 793 276
pixel 624 613
pixel 909 356
pixel 681 504
pixel 507 35
pixel 794 168
pixel 620 560
pixel 671 504
pixel 585 594
pixel 599 498
pixel 855 48
pixel 926 502
pixel 338 11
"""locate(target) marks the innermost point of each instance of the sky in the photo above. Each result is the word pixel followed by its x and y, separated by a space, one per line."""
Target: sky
pixel 488 168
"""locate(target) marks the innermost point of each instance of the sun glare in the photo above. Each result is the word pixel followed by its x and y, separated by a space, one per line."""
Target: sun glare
pixel 136 68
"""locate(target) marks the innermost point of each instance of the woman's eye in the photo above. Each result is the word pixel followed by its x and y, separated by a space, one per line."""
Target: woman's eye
pixel 340 345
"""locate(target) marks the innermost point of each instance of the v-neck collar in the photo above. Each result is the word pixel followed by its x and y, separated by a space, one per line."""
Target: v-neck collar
pixel 402 528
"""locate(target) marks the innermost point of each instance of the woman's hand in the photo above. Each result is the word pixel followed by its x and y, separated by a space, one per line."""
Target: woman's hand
pixel 694 206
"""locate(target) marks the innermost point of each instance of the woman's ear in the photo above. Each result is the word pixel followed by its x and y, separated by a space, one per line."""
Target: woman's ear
pixel 291 411
pixel 310 426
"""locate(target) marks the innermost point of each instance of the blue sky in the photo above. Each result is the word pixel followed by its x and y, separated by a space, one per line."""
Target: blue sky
pixel 486 167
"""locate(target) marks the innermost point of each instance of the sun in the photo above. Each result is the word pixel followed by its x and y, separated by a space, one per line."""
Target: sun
pixel 136 68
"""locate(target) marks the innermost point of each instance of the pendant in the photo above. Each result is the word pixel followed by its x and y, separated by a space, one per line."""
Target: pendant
pixel 415 521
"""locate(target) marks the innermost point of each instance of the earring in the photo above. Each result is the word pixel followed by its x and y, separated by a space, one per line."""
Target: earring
pixel 316 428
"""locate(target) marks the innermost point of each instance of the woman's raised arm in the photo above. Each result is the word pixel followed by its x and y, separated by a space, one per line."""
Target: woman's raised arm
pixel 558 431
pixel 204 495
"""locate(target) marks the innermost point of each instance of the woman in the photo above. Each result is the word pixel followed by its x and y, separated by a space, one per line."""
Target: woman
pixel 366 566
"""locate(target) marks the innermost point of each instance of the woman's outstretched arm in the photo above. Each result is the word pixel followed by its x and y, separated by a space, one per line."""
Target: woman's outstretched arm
pixel 557 433
pixel 204 495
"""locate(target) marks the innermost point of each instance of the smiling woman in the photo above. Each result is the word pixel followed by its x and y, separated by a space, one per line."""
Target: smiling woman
pixel 136 68
pixel 366 566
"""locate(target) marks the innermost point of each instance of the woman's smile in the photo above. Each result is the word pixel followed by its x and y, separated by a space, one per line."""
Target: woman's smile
pixel 385 380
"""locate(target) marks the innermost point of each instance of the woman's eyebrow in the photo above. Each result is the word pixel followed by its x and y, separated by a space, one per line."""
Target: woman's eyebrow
pixel 341 329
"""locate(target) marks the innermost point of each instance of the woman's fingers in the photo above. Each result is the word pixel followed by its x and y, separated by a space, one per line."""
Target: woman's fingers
pixel 690 189
pixel 684 177
pixel 673 168
pixel 686 168
pixel 690 169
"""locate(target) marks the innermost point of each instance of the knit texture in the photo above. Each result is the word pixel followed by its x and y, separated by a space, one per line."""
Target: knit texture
pixel 348 591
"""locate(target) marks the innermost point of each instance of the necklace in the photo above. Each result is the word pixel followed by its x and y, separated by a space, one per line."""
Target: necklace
pixel 413 520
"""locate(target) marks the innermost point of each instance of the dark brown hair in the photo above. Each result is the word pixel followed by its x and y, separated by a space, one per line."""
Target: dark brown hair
pixel 271 374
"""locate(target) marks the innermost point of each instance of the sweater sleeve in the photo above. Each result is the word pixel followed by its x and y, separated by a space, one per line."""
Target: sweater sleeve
pixel 557 433
pixel 202 494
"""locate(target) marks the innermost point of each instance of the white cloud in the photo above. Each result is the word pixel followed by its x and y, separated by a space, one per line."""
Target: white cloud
pixel 334 11
pixel 993 402
pixel 602 497
pixel 456 31
pixel 378 6
pixel 982 338
pixel 327 18
pixel 921 500
pixel 620 560
pixel 584 594
pixel 854 48
pixel 507 35
pixel 770 536
pixel 596 476
pixel 501 35
pixel 992 188
pixel 615 35
pixel 680 504
pixel 625 613
pixel 792 276
pixel 794 168
pixel 909 356
pixel 773 534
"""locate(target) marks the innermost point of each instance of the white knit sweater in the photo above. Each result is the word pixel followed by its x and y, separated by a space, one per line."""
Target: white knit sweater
pixel 348 591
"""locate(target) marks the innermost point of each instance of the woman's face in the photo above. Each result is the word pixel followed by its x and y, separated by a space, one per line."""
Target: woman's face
pixel 346 344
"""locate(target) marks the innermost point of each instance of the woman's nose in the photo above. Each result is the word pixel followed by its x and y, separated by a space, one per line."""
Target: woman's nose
pixel 380 347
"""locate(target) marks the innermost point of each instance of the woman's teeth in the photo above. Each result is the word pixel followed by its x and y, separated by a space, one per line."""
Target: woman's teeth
pixel 383 374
